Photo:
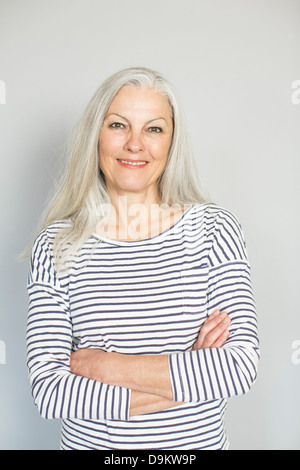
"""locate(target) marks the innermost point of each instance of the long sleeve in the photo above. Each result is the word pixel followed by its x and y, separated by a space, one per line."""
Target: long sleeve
pixel 216 373
pixel 56 391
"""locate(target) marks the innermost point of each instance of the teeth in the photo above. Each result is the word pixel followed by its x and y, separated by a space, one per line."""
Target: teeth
pixel 132 163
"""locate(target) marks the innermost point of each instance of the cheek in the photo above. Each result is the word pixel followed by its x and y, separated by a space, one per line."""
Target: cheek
pixel 108 144
pixel 161 150
pixel 105 151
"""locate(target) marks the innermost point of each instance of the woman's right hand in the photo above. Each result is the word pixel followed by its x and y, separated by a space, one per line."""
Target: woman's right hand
pixel 214 331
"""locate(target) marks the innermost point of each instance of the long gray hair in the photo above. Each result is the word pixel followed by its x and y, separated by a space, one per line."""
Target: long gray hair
pixel 82 192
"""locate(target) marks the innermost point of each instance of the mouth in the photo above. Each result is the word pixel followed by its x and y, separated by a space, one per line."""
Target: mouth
pixel 132 163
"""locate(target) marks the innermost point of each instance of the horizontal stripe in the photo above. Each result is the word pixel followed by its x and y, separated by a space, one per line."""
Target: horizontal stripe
pixel 146 297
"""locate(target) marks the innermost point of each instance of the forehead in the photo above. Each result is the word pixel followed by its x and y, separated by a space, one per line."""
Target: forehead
pixel 146 101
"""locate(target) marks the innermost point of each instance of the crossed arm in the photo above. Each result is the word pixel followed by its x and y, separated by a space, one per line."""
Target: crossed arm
pixel 146 375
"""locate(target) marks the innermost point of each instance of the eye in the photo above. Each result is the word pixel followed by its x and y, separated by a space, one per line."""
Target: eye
pixel 117 125
pixel 155 130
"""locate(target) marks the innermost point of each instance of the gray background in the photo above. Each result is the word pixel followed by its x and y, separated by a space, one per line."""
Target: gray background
pixel 234 64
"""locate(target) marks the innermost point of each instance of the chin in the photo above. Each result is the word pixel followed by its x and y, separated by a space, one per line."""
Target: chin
pixel 132 186
pixel 133 190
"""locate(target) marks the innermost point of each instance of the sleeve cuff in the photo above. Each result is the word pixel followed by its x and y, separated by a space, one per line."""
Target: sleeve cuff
pixel 176 377
pixel 117 403
pixel 186 376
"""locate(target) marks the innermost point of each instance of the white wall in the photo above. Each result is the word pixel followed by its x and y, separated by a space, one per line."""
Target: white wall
pixel 234 63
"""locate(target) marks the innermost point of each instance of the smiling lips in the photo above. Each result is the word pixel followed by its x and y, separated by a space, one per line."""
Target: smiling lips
pixel 134 164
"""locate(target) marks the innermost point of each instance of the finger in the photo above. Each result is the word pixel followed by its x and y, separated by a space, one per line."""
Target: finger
pixel 215 317
pixel 221 340
pixel 214 314
pixel 208 326
pixel 214 334
pixel 208 334
pixel 212 322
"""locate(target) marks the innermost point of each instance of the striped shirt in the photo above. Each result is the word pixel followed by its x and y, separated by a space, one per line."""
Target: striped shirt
pixel 144 297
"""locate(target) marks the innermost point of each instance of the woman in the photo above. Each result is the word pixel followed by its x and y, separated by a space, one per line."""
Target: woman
pixel 141 320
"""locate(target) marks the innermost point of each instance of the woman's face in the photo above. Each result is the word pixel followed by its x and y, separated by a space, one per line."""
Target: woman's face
pixel 135 140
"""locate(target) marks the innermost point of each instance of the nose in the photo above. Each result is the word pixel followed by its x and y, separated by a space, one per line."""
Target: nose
pixel 134 143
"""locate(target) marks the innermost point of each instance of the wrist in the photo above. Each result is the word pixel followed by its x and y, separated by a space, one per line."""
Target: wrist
pixel 112 369
pixel 143 373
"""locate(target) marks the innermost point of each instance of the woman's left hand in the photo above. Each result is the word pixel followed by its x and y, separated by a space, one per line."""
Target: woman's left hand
pixel 214 331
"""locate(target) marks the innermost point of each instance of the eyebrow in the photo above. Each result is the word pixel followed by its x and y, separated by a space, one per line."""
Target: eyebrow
pixel 148 122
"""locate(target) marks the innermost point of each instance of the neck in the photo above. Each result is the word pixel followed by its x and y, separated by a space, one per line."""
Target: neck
pixel 135 217
pixel 132 215
pixel 125 200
